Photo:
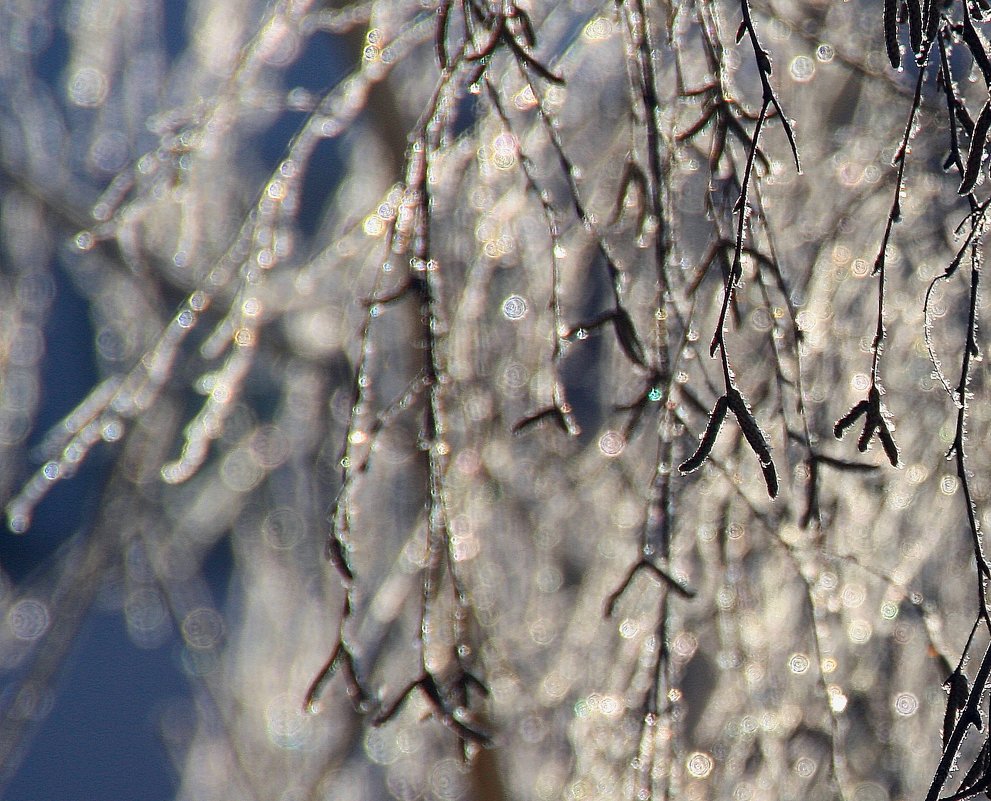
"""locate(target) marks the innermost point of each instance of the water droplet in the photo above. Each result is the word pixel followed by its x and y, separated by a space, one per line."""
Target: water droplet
pixel 202 628
pixel 802 69
pixel 837 700
pixel 598 29
pixel 699 765
pixel 860 631
pixel 449 780
pixel 906 704
pixel 286 724
pixel 525 99
pixel 88 87
pixel 146 615
pixel 84 241
pixel 799 663
pixel 684 645
pixel 171 473
pixel 514 307
pixel 28 619
pixel 18 522
pixel 612 443
pixel 805 767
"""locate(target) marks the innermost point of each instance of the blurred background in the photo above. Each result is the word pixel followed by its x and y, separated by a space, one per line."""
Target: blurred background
pixel 430 288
